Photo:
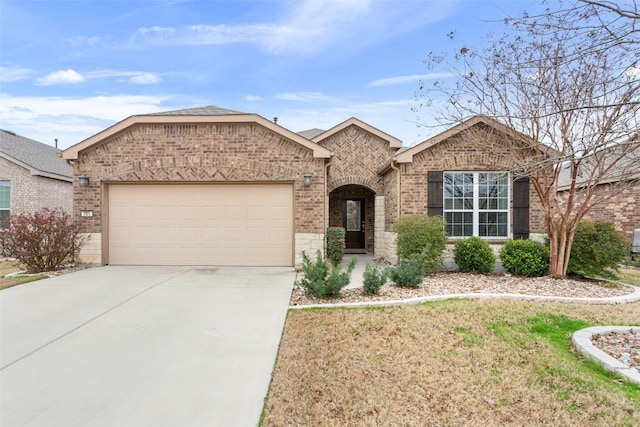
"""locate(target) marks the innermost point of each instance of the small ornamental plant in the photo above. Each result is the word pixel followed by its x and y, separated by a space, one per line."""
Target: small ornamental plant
pixel 42 241
pixel 373 278
pixel 474 255
pixel 525 257
pixel 323 280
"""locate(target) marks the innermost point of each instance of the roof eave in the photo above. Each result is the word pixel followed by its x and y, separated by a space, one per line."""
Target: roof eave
pixel 393 141
pixel 36 172
pixel 72 152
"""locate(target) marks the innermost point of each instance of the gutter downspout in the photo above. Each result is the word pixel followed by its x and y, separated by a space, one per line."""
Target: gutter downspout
pixel 395 168
pixel 326 201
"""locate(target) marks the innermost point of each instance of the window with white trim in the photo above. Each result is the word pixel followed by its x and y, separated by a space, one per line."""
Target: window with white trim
pixel 476 204
pixel 5 203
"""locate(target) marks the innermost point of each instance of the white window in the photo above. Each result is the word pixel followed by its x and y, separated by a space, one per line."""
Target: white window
pixel 5 203
pixel 476 204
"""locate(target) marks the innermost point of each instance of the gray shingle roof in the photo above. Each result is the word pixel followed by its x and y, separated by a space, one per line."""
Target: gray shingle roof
pixel 210 110
pixel 41 158
pixel 310 133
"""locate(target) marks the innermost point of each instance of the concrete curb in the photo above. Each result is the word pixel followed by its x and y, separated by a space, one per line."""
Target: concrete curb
pixel 621 299
pixel 582 341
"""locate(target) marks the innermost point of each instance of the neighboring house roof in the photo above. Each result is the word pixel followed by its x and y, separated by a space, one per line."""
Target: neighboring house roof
pixel 310 133
pixel 393 141
pixel 600 167
pixel 40 159
pixel 209 114
pixel 210 110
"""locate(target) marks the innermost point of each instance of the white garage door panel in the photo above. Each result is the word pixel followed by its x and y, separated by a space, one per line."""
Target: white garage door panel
pixel 192 224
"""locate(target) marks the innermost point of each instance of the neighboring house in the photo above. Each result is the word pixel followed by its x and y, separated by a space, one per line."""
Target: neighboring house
pixel 32 176
pixel 210 186
pixel 617 196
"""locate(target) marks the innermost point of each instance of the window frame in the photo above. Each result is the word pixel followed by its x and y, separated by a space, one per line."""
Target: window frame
pixel 475 210
pixel 6 183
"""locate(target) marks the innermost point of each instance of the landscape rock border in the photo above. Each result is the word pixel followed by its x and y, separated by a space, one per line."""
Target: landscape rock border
pixel 620 299
pixel 582 341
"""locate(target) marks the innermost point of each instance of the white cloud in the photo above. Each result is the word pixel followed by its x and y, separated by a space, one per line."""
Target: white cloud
pixel 13 74
pixel 144 79
pixel 303 96
pixel 72 120
pixel 67 76
pixel 413 78
pixel 252 98
pixel 306 26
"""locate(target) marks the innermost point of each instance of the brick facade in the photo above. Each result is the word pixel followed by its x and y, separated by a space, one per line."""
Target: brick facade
pixel 220 152
pixel 622 209
pixel 357 155
pixel 31 193
pixel 458 154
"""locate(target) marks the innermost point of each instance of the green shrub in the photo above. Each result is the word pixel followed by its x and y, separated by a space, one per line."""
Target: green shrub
pixel 322 280
pixel 421 234
pixel 409 272
pixel 335 244
pixel 474 255
pixel 373 278
pixel 597 250
pixel 525 257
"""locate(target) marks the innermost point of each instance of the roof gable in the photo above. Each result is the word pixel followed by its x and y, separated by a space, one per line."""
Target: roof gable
pixel 406 156
pixel 210 114
pixel 393 141
pixel 40 159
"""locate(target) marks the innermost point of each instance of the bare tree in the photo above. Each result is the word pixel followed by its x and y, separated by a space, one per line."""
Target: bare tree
pixel 566 82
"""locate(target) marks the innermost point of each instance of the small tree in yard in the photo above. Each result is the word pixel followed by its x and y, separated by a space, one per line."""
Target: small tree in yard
pixel 565 83
pixel 42 241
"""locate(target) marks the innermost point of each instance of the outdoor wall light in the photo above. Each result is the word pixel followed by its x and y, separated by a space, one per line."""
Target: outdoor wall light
pixel 83 180
pixel 307 179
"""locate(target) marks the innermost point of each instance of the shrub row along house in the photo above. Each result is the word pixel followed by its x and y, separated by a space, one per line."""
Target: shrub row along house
pixel 32 177
pixel 211 186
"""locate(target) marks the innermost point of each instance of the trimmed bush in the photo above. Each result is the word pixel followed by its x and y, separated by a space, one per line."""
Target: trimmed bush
pixel 525 257
pixel 421 234
pixel 42 241
pixel 597 250
pixel 335 244
pixel 373 278
pixel 409 272
pixel 322 280
pixel 474 255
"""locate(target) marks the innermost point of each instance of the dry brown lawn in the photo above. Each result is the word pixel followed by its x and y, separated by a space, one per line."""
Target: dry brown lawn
pixel 450 363
pixel 8 267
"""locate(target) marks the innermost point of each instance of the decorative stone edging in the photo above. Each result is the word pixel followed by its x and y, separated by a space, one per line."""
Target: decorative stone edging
pixel 621 299
pixel 582 341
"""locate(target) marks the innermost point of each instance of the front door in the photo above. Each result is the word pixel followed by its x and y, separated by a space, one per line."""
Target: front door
pixel 353 222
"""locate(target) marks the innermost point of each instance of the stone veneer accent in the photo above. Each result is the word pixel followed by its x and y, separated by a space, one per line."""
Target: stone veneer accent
pixel 90 253
pixel 310 243
pixel 31 193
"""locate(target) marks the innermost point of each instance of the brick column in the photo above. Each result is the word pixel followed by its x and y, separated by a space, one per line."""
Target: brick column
pixel 379 243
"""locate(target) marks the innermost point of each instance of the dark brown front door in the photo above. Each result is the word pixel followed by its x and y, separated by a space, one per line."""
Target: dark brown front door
pixel 353 222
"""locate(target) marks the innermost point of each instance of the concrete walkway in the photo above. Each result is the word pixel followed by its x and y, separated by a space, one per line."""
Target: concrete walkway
pixel 141 346
pixel 358 271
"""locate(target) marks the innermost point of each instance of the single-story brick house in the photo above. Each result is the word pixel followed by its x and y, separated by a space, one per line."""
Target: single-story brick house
pixel 32 176
pixel 210 186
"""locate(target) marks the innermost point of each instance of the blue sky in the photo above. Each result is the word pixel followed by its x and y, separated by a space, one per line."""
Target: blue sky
pixel 69 69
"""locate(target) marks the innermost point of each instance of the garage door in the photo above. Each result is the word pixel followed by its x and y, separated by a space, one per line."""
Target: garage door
pixel 191 224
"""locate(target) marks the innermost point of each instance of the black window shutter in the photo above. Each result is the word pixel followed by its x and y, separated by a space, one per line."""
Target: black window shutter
pixel 434 193
pixel 521 208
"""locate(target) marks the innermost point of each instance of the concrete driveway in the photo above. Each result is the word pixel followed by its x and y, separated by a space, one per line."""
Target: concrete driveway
pixel 141 346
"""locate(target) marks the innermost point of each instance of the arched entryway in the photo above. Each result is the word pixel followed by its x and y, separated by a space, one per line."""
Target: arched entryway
pixel 353 207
